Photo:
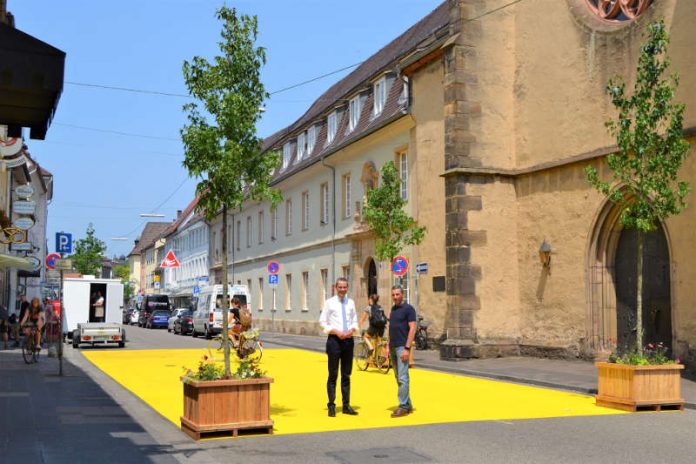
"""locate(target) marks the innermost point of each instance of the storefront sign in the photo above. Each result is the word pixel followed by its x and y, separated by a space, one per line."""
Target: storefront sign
pixel 26 246
pixel 34 262
pixel 23 207
pixel 24 191
pixel 10 146
pixel 24 223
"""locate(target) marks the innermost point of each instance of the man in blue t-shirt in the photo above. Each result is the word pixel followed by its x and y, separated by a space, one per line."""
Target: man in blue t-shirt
pixel 402 330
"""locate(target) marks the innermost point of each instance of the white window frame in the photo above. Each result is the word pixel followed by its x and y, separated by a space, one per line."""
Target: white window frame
pixel 274 223
pixel 248 232
pixel 324 203
pixel 403 174
pixel 324 276
pixel 287 153
pixel 305 290
pixel 354 108
pixel 345 181
pixel 288 292
pixel 260 300
pixel 331 127
pixel 312 139
pixel 379 91
pixel 261 228
pixel 305 210
pixel 288 216
pixel 238 237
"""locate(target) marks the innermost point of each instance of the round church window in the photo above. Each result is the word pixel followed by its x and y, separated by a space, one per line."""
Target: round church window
pixel 618 10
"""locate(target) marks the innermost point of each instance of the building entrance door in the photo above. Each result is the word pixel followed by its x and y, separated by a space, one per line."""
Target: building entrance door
pixel 371 277
pixel 657 317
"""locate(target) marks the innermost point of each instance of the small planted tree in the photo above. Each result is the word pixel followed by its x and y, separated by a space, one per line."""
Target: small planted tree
pixel 651 148
pixel 89 254
pixel 221 146
pixel 385 216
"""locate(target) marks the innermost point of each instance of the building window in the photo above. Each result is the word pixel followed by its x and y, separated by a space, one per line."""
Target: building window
pixel 239 235
pixel 288 217
pixel 312 139
pixel 346 273
pixel 324 286
pixel 260 227
pixel 217 252
pixel 305 290
pixel 332 126
pixel 301 146
pixel 259 304
pixel 354 113
pixel 248 232
pixel 380 95
pixel 305 210
pixel 402 163
pixel 346 195
pixel 274 223
pixel 324 203
pixel 288 292
pixel 287 153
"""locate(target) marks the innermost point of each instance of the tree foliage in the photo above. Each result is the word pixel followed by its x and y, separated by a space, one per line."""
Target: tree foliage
pixel 385 216
pixel 651 148
pixel 222 148
pixel 123 273
pixel 89 253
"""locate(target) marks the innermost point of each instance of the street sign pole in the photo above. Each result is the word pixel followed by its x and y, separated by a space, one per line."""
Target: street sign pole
pixel 60 324
pixel 273 309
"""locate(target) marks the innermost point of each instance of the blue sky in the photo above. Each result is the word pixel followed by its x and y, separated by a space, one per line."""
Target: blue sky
pixel 109 179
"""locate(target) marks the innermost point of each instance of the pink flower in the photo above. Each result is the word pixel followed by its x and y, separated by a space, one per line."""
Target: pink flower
pixel 650 345
pixel 678 361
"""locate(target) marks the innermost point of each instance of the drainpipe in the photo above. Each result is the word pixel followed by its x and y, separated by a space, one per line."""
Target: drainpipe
pixel 333 218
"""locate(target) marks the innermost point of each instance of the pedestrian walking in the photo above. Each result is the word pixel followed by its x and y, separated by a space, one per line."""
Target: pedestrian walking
pixel 339 321
pixel 402 330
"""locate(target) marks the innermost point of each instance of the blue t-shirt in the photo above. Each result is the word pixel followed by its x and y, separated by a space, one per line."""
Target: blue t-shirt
pixel 399 318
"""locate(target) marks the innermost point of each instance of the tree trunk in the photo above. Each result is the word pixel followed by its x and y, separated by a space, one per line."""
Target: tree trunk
pixel 225 296
pixel 639 296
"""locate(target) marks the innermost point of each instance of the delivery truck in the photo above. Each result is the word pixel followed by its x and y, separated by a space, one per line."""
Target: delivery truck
pixel 93 310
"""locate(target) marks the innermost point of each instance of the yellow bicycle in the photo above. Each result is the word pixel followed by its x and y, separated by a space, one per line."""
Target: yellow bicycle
pixel 246 346
pixel 378 356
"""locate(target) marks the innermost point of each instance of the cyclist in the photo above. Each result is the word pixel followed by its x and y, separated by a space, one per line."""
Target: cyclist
pixel 34 317
pixel 377 322
pixel 235 327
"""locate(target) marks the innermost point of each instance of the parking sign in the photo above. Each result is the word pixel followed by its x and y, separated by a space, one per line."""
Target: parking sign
pixel 63 242
pixel 273 279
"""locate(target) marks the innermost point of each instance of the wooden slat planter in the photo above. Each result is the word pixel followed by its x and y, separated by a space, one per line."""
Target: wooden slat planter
pixel 633 388
pixel 226 406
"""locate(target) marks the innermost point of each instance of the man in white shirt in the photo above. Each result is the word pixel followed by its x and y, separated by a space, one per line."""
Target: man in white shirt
pixel 339 320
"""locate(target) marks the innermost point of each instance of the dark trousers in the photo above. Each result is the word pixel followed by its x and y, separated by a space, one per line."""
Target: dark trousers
pixel 339 352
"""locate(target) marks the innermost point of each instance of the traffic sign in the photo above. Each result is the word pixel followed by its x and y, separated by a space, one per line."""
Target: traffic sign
pixel 170 260
pixel 63 242
pixel 400 266
pixel 273 279
pixel 51 260
pixel 64 264
pixel 273 267
pixel 157 284
pixel 422 268
pixel 196 290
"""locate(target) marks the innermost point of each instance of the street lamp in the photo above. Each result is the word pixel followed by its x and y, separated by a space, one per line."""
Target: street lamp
pixel 122 239
pixel 152 215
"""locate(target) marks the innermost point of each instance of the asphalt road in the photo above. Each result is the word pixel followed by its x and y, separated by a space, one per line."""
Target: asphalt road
pixel 665 437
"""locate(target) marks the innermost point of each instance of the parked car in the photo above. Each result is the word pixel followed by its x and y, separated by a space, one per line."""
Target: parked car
pixel 152 303
pixel 184 323
pixel 128 315
pixel 207 319
pixel 172 318
pixel 134 317
pixel 158 319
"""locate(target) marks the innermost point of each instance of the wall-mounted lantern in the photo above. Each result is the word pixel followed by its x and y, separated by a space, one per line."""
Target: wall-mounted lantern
pixel 545 254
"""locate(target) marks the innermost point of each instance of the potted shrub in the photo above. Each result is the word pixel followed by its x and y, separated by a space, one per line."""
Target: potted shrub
pixel 216 403
pixel 633 381
pixel 651 148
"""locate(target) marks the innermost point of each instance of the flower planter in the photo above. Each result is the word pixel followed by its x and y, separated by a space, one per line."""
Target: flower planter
pixel 634 388
pixel 226 406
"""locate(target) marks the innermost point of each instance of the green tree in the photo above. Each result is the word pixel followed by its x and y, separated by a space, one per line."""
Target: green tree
pixel 221 146
pixel 649 135
pixel 123 273
pixel 89 253
pixel 385 216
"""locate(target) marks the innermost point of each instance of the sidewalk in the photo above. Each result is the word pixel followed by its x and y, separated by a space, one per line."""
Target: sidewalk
pixel 579 376
pixel 50 419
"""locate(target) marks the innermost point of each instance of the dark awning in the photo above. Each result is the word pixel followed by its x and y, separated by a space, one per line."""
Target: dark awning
pixel 31 81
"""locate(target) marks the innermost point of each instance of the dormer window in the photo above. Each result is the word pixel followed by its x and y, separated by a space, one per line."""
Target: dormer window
pixel 332 126
pixel 380 95
pixel 312 139
pixel 287 152
pixel 354 112
pixel 301 146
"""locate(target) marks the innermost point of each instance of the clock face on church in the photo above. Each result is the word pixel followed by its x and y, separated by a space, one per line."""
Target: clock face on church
pixel 618 10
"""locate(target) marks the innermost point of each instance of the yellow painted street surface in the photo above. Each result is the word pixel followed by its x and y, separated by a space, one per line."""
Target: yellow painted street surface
pixel 298 394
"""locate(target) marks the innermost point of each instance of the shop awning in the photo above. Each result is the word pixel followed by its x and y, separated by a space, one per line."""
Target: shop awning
pixel 31 81
pixel 16 262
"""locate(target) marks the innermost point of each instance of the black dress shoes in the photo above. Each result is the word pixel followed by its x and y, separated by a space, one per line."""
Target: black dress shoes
pixel 350 411
pixel 332 410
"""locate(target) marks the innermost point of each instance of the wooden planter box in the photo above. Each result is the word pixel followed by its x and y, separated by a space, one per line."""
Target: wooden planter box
pixel 634 388
pixel 226 406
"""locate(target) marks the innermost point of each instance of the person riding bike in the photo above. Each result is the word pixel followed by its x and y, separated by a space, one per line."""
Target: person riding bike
pixel 34 317
pixel 235 327
pixel 377 321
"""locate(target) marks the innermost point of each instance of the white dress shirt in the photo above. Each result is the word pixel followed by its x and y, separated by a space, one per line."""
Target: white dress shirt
pixel 332 315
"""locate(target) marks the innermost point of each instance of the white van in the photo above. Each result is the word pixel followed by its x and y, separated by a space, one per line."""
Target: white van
pixel 207 318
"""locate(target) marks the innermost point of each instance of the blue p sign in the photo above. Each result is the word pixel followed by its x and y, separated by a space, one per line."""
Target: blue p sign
pixel 63 242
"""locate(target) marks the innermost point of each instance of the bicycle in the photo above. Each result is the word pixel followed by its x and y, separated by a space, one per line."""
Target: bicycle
pixel 378 356
pixel 248 346
pixel 422 334
pixel 30 352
